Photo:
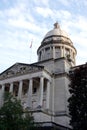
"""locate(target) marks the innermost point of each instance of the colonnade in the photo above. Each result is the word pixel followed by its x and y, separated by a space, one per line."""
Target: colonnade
pixel 56 51
pixel 16 88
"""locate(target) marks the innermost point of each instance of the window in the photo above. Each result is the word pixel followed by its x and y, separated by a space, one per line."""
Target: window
pixel 67 51
pixel 6 88
pixel 47 49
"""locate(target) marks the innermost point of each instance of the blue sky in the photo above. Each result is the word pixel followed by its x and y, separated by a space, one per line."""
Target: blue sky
pixel 24 20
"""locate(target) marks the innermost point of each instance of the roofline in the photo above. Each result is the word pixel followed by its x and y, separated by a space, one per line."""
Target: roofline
pixel 51 59
pixel 79 66
pixel 22 64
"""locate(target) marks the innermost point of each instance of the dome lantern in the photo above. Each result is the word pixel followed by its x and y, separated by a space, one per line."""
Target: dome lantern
pixel 56 25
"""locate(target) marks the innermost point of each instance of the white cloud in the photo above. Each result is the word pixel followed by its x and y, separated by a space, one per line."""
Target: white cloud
pixel 62 14
pixel 64 2
pixel 42 2
pixel 45 12
pixel 54 15
pixel 24 24
pixel 19 10
pixel 81 23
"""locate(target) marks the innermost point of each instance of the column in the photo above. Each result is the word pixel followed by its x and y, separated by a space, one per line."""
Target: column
pixel 41 91
pixel 54 52
pixel 48 95
pixel 20 89
pixel 64 51
pixel 70 53
pixel 61 51
pixel 29 100
pixel 2 95
pixel 74 58
pixel 44 54
pixel 51 50
pixel 11 88
pixel 3 88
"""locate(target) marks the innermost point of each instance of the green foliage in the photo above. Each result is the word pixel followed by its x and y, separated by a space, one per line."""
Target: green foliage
pixel 12 116
pixel 78 98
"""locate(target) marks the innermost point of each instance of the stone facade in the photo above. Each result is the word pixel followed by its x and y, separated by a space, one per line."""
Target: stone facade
pixel 42 87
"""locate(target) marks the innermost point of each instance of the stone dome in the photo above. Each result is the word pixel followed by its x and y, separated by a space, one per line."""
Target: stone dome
pixel 56 32
pixel 55 45
pixel 56 36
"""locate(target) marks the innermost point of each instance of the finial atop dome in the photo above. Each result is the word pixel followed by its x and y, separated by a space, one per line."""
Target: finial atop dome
pixel 56 25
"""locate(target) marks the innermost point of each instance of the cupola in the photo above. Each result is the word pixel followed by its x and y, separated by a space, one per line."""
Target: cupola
pixel 56 44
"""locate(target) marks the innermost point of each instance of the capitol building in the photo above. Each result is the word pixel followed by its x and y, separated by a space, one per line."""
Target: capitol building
pixel 42 87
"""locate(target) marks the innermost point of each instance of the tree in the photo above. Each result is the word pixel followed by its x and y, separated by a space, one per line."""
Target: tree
pixel 78 98
pixel 12 115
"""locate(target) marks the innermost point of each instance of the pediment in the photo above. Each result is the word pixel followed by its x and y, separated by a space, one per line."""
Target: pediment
pixel 19 69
